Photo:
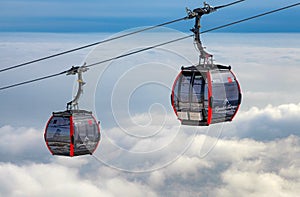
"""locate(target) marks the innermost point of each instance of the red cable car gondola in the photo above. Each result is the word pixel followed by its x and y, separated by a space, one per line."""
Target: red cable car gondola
pixel 206 93
pixel 72 132
pixel 205 96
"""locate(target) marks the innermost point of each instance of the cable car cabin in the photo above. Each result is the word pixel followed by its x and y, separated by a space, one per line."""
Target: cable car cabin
pixel 203 96
pixel 72 133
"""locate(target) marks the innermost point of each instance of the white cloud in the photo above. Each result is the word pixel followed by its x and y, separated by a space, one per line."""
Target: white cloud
pixel 145 147
pixel 156 179
pixel 266 123
pixel 17 140
pixel 44 180
pixel 233 166
pixel 59 180
pixel 238 183
pixel 263 98
pixel 259 169
pixel 121 187
pixel 22 144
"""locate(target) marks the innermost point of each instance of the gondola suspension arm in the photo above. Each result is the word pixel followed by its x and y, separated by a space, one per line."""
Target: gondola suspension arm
pixel 205 58
pixel 73 71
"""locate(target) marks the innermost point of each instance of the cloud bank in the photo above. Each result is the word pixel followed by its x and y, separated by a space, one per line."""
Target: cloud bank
pixel 236 165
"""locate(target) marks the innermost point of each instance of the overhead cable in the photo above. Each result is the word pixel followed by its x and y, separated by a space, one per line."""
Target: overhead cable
pixel 90 45
pixel 152 47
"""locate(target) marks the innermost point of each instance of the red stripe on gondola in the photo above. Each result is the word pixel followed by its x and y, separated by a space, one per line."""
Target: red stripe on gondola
pixel 209 116
pixel 240 93
pixel 71 137
pixel 172 97
pixel 45 137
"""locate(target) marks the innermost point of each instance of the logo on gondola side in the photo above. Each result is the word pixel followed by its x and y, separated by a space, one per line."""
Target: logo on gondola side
pixel 225 108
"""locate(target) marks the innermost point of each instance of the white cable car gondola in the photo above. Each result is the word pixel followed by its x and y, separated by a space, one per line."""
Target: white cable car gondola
pixel 206 93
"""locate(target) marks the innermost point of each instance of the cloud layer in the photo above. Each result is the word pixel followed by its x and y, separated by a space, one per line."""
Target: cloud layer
pixel 236 165
pixel 266 124
pixel 244 167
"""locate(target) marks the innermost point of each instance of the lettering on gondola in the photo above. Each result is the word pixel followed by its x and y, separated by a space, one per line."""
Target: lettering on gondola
pixel 225 109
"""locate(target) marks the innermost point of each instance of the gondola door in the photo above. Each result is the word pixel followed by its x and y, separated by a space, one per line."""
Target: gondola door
pixel 190 98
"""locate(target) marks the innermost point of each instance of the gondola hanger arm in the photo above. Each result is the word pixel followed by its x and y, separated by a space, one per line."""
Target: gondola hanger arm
pixel 73 71
pixel 205 58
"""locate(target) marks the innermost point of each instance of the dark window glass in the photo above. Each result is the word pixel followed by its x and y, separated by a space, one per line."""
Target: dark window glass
pixel 184 89
pixel 86 134
pixel 225 94
pixel 58 135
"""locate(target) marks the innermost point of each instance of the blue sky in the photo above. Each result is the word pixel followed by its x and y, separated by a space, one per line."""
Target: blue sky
pixel 117 15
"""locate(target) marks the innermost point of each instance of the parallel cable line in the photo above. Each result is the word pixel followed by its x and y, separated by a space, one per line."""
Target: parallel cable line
pixel 33 80
pixel 152 47
pixel 90 45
